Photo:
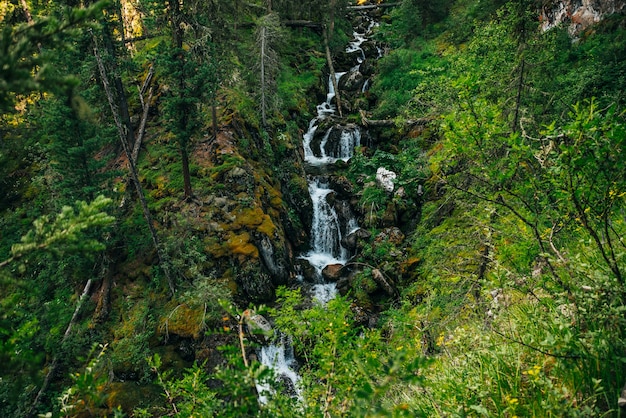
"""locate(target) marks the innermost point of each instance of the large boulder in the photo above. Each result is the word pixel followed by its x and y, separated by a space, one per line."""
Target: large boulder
pixel 350 241
pixel 352 82
pixel 332 272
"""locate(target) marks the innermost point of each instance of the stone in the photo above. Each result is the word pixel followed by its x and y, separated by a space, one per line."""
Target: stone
pixel 367 67
pixel 351 240
pixel 332 272
pixel 578 14
pixel 352 81
pixel 305 269
pixel 393 235
pixel 342 186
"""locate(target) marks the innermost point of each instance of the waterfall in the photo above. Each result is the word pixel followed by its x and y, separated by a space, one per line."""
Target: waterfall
pixel 326 231
pixel 280 358
pixel 338 143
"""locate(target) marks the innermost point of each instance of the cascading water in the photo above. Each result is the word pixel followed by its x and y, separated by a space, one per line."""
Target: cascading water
pixel 338 143
pixel 280 358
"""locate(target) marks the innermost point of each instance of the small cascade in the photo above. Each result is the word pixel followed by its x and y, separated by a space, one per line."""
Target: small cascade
pixel 326 230
pixel 338 143
pixel 328 108
pixel 280 358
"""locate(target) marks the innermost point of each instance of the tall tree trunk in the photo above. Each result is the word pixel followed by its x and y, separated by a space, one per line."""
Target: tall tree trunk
pixel 122 102
pixel 177 34
pixel 186 176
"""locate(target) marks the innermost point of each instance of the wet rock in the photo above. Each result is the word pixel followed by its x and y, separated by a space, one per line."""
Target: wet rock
pixel 352 82
pixel 370 49
pixel 350 241
pixel 343 140
pixel 367 68
pixel 342 186
pixel 332 272
pixel 306 270
pixel 344 61
pixel 274 262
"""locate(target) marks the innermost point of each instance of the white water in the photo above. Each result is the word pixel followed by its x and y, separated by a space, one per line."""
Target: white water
pixel 350 138
pixel 326 231
pixel 279 357
pixel 324 292
pixel 327 108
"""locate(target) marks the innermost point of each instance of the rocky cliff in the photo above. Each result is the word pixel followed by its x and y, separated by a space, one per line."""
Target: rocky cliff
pixel 578 14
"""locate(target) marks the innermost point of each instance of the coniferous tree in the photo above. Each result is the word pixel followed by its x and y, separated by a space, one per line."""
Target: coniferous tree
pixel 189 67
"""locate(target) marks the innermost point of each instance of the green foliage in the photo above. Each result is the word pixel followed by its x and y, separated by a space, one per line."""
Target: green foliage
pixel 34 308
pixel 189 396
pixel 348 370
pixel 65 233
pixel 85 395
pixel 24 68
pixel 73 140
pixel 410 168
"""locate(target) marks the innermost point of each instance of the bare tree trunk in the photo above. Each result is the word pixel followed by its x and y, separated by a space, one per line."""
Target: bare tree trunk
pixel 144 117
pixel 333 77
pixel 263 104
pixel 214 117
pixel 131 164
pixel 142 128
pixel 55 361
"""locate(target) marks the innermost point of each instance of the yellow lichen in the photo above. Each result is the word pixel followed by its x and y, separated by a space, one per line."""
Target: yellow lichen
pixel 267 227
pixel 240 244
pixel 249 218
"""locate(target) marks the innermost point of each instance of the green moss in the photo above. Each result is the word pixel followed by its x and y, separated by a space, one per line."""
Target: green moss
pixel 184 320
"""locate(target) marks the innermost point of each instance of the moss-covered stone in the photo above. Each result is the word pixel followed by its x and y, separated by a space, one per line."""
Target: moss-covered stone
pixel 239 244
pixel 182 320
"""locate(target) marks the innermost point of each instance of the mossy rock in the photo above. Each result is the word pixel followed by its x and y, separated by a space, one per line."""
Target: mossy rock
pixel 239 244
pixel 182 320
pixel 131 395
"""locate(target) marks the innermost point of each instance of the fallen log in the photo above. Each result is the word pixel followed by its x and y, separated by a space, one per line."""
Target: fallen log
pixel 373 6
pixel 392 122
pixel 302 24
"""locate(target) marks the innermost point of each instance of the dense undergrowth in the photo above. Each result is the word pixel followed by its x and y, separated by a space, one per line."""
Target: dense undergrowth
pixel 508 267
